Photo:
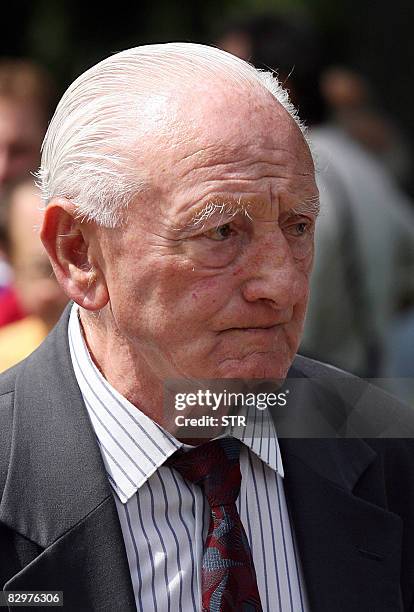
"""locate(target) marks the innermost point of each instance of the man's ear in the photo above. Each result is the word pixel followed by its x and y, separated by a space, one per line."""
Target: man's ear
pixel 70 248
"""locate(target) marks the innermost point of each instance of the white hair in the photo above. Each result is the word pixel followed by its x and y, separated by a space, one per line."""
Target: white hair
pixel 89 153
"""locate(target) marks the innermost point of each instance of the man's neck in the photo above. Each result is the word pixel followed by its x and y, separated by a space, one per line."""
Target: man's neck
pixel 126 371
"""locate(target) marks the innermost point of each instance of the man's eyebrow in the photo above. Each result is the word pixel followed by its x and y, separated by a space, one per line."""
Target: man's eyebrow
pixel 309 206
pixel 219 209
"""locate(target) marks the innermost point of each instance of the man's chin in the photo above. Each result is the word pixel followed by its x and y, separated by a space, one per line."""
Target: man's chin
pixel 256 366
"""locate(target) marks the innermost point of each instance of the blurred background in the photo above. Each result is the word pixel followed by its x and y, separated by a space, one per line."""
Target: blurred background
pixel 348 69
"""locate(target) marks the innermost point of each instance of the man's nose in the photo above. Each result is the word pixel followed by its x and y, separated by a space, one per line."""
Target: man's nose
pixel 273 274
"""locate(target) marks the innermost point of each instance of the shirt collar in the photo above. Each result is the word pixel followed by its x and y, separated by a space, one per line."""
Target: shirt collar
pixel 132 445
pixel 259 434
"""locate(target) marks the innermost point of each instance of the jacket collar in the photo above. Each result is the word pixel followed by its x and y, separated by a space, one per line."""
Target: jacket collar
pixel 349 543
pixel 56 474
pixel 57 492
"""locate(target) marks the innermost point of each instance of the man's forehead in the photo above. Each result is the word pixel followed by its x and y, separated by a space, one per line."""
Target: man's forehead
pixel 197 126
pixel 209 135
pixel 207 106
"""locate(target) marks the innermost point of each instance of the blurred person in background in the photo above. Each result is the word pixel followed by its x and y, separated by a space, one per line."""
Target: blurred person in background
pixel 39 297
pixel 351 105
pixel 399 364
pixel 364 256
pixel 27 98
pixel 351 108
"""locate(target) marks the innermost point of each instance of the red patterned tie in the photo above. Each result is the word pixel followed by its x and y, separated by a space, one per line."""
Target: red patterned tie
pixel 228 576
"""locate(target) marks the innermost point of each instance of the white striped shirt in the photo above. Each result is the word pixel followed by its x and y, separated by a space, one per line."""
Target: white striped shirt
pixel 165 519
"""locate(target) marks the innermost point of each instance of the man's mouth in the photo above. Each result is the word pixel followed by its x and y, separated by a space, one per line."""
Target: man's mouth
pixel 255 329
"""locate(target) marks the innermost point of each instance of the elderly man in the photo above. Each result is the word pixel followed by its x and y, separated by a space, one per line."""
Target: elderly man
pixel 181 204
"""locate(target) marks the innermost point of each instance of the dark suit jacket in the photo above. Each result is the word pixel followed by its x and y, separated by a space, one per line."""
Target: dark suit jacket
pixel 351 500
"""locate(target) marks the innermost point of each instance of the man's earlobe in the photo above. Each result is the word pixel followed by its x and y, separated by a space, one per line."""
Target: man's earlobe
pixel 70 246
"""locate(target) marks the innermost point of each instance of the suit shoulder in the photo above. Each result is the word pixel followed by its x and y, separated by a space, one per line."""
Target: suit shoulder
pixel 371 411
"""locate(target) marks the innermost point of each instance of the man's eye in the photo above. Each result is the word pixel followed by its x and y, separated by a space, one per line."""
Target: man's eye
pixel 301 228
pixel 298 229
pixel 220 233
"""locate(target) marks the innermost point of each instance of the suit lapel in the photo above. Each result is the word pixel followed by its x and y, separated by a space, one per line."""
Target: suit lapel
pixel 88 563
pixel 57 493
pixel 349 545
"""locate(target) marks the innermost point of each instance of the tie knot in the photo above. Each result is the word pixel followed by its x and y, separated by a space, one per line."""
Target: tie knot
pixel 214 466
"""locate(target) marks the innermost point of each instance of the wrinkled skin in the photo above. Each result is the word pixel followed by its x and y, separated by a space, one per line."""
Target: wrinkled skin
pixel 214 298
